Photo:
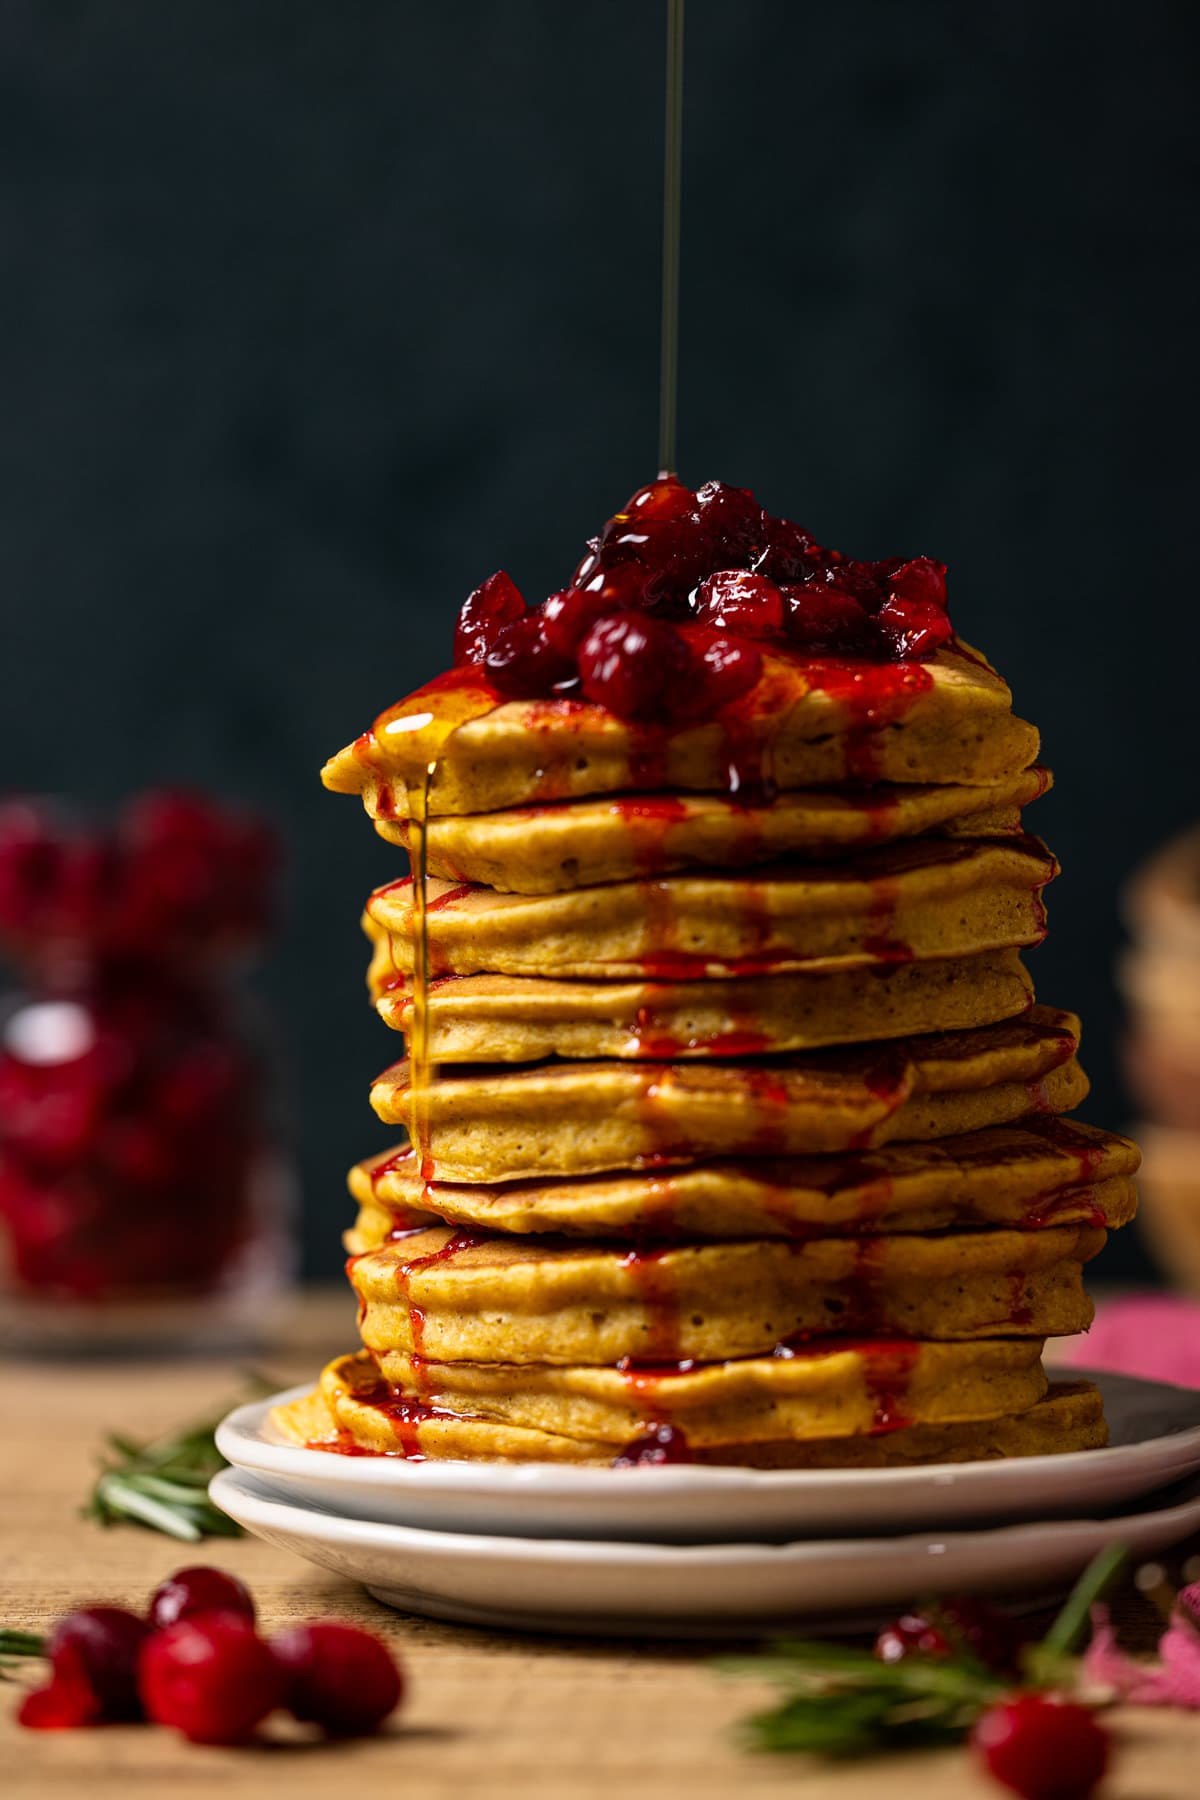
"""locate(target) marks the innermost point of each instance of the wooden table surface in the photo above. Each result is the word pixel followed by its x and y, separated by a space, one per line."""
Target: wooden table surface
pixel 489 1714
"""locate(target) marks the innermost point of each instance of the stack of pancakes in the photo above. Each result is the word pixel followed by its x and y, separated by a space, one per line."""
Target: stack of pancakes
pixel 738 1136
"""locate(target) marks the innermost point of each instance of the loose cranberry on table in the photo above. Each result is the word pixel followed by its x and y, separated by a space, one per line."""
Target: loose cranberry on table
pixel 93 1654
pixel 198 1590
pixel 339 1678
pixel 1042 1748
pixel 211 1677
pixel 954 1625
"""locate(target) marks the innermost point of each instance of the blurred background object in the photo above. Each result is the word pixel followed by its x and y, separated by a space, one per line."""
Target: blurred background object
pixel 143 1184
pixel 1160 978
pixel 315 316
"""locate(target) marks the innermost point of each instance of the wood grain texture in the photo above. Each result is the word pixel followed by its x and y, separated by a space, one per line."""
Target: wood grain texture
pixel 491 1715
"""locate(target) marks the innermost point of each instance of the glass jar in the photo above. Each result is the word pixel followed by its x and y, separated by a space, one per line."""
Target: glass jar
pixel 145 1196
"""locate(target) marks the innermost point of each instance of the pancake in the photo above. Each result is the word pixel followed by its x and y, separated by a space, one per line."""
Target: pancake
pixel 514 1018
pixel 819 1410
pixel 353 1409
pixel 568 844
pixel 915 902
pixel 1047 1171
pixel 808 722
pixel 465 1296
pixel 526 1121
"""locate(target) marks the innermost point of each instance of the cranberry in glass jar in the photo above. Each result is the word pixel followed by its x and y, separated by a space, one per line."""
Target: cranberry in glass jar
pixel 144 1192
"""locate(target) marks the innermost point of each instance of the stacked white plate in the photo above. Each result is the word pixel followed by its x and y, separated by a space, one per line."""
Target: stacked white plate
pixel 679 1549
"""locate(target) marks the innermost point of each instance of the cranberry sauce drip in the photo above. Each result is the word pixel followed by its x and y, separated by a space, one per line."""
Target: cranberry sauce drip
pixel 410 1266
pixel 661 1444
pixel 715 563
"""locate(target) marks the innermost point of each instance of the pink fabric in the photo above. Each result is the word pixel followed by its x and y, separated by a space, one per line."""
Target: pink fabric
pixel 1153 1335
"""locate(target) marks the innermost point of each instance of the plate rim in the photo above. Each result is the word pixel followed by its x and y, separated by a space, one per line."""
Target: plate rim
pixel 345 1529
pixel 243 1427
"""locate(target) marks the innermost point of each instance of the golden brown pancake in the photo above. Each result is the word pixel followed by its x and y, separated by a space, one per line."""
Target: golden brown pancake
pixel 1047 1171
pixel 808 723
pixel 926 900
pixel 514 1018
pixel 544 849
pixel 530 1120
pixel 469 1297
pixel 822 1398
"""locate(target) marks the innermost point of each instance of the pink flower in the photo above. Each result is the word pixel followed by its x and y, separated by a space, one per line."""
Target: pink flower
pixel 1172 1681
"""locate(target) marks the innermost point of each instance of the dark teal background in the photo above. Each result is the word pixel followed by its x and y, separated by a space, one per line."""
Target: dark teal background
pixel 312 315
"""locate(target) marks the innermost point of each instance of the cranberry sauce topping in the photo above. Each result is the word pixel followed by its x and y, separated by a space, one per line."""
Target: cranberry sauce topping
pixel 714 560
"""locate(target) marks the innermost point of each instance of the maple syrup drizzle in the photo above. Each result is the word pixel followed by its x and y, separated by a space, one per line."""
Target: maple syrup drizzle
pixel 420 1071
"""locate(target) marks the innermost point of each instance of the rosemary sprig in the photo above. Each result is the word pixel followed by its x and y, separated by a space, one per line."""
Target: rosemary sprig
pixel 841 1701
pixel 162 1484
pixel 16 1644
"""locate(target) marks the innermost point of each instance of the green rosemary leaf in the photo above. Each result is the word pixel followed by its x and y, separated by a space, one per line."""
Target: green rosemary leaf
pixel 1067 1632
pixel 22 1643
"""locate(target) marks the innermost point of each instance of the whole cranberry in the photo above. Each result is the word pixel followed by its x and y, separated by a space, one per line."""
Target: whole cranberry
pixel 198 1590
pixel 666 498
pixel 825 620
pixel 733 522
pixel 628 584
pixel 961 1623
pixel 913 627
pixel 920 578
pixel 523 663
pixel 730 669
pixel 675 550
pixel 100 1645
pixel 638 667
pixel 734 600
pixel 1042 1748
pixel 587 565
pixel 788 553
pixel 62 1704
pixel 211 1677
pixel 495 603
pixel 344 1680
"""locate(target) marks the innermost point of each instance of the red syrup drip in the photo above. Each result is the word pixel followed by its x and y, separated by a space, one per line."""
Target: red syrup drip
pixel 655 1289
pixel 888 1365
pixel 887 1079
pixel 1053 1209
pixel 1087 1157
pixel 875 696
pixel 879 939
pixel 458 1241
pixel 648 820
pixel 661 1445
pixel 1020 1313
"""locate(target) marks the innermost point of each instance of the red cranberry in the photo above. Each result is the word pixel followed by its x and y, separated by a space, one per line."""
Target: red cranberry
pixel 666 498
pixel 730 670
pixel 64 1703
pixel 523 663
pixel 733 522
pixel 211 1677
pixel 495 603
pixel 198 1590
pixel 789 553
pixel 1042 1748
pixel 673 549
pixel 825 620
pixel 636 666
pixel 661 1444
pixel 913 627
pixel 339 1678
pixel 100 1645
pixel 990 1636
pixel 734 600
pixel 920 578
pixel 587 565
pixel 628 584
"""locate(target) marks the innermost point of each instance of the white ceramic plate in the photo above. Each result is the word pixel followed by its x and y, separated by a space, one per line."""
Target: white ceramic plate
pixel 1155 1440
pixel 547 1584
